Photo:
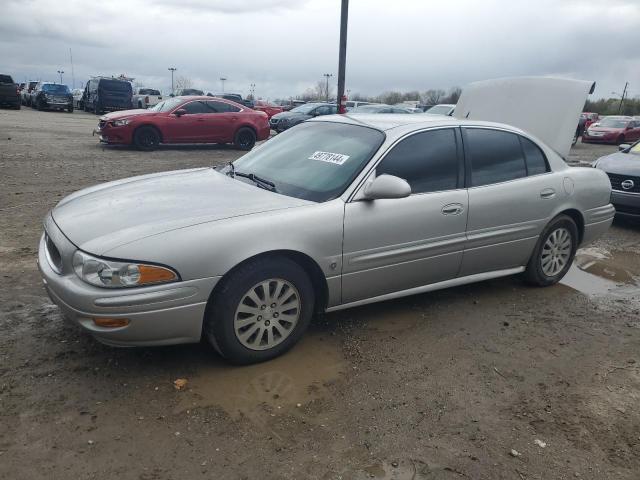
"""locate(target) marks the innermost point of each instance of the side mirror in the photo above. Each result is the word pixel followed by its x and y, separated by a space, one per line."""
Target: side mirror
pixel 387 186
pixel 180 112
pixel 623 146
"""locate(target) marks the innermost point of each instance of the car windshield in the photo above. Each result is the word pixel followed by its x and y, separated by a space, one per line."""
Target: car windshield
pixel 439 110
pixel 613 123
pixel 306 108
pixel 371 109
pixel 313 161
pixel 55 88
pixel 167 105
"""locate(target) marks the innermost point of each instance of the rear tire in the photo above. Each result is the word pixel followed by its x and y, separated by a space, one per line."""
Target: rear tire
pixel 620 140
pixel 70 109
pixel 146 139
pixel 554 252
pixel 245 331
pixel 245 139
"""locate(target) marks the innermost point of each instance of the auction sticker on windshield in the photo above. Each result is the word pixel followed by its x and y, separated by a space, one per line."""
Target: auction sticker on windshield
pixel 335 158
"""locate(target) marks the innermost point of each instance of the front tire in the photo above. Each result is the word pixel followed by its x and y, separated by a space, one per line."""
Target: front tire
pixel 260 311
pixel 554 252
pixel 70 109
pixel 146 139
pixel 620 140
pixel 245 139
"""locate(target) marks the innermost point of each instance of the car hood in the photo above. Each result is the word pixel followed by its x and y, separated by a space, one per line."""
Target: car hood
pixel 127 114
pixel 103 217
pixel 548 108
pixel 291 115
pixel 620 163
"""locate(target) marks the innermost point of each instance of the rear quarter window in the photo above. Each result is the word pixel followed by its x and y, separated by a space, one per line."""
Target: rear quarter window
pixel 535 159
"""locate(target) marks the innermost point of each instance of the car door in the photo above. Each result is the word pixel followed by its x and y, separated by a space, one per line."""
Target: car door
pixel 512 195
pixel 397 244
pixel 191 126
pixel 221 121
pixel 634 132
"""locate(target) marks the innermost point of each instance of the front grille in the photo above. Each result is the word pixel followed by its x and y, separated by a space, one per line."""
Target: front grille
pixel 53 254
pixel 616 183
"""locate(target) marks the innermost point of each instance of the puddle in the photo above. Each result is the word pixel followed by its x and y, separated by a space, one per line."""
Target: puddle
pixel 594 272
pixel 273 387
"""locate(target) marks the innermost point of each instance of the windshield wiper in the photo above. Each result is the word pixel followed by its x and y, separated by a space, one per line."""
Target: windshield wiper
pixel 260 182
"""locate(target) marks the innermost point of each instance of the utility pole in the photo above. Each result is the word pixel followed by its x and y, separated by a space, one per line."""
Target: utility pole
pixel 222 80
pixel 252 90
pixel 342 55
pixel 327 75
pixel 172 69
pixel 60 72
pixel 73 75
pixel 624 93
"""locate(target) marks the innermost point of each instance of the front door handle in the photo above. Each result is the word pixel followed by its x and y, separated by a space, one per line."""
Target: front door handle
pixel 548 193
pixel 452 209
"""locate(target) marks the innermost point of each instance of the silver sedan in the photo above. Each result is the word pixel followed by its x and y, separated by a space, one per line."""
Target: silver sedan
pixel 340 211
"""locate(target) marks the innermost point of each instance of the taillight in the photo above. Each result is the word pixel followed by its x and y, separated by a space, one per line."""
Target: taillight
pixel 146 99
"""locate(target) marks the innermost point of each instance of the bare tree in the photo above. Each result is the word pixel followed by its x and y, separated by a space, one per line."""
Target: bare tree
pixel 183 82
pixel 433 96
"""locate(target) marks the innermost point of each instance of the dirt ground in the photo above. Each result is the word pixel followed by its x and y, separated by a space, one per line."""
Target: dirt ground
pixel 488 381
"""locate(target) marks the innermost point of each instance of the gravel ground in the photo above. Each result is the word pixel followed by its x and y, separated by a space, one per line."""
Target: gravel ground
pixel 487 381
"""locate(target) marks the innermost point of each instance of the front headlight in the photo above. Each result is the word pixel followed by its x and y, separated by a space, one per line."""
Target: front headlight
pixel 122 122
pixel 114 274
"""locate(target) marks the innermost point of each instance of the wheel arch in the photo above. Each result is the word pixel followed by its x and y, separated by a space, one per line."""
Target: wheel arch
pixel 577 217
pixel 308 264
pixel 246 125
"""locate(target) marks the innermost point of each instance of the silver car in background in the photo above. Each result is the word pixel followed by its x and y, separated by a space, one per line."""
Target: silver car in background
pixel 623 169
pixel 340 211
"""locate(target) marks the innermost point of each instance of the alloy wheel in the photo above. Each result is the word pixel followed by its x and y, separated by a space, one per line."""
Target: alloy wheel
pixel 556 252
pixel 267 314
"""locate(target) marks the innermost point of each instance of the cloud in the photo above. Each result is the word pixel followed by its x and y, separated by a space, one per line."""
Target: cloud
pixel 284 46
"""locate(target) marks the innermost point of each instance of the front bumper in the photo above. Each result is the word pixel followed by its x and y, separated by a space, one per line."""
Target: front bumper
pixel 607 138
pixel 627 204
pixel 114 135
pixel 158 315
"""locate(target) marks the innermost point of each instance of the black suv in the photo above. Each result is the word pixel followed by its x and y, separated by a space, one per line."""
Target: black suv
pixel 107 95
pixel 234 97
pixel 9 92
pixel 52 96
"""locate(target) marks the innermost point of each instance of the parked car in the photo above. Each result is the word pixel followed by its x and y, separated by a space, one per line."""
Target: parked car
pixel 351 104
pixel 291 104
pixel 78 98
pixel 146 97
pixel 234 97
pixel 380 108
pixel 613 129
pixel 589 118
pixel 27 92
pixel 287 119
pixel 623 169
pixel 337 212
pixel 9 92
pixel 52 96
pixel 441 109
pixel 102 94
pixel 185 120
pixel 268 108
pixel 183 92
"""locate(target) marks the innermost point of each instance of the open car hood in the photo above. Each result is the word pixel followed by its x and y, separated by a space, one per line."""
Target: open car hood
pixel 548 108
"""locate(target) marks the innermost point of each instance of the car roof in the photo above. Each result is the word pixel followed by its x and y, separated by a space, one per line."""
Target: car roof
pixel 390 121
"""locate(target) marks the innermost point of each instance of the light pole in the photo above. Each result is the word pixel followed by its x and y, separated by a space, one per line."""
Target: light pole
pixel 342 52
pixel 60 72
pixel 222 80
pixel 172 69
pixel 252 89
pixel 327 75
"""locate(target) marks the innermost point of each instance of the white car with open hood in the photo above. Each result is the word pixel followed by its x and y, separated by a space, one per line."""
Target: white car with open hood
pixel 339 211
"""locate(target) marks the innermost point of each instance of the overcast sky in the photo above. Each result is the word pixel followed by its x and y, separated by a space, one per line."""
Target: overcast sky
pixel 284 46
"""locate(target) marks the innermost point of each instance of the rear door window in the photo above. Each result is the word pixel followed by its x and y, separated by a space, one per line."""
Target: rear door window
pixel 495 156
pixel 535 159
pixel 221 107
pixel 194 108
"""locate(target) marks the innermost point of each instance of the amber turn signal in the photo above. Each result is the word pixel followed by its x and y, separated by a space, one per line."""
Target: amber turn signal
pixel 152 274
pixel 111 322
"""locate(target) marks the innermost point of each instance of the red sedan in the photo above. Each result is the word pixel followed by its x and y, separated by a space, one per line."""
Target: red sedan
pixel 267 108
pixel 613 129
pixel 185 120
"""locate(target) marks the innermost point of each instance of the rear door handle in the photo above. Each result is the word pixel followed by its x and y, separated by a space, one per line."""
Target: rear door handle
pixel 547 193
pixel 452 209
